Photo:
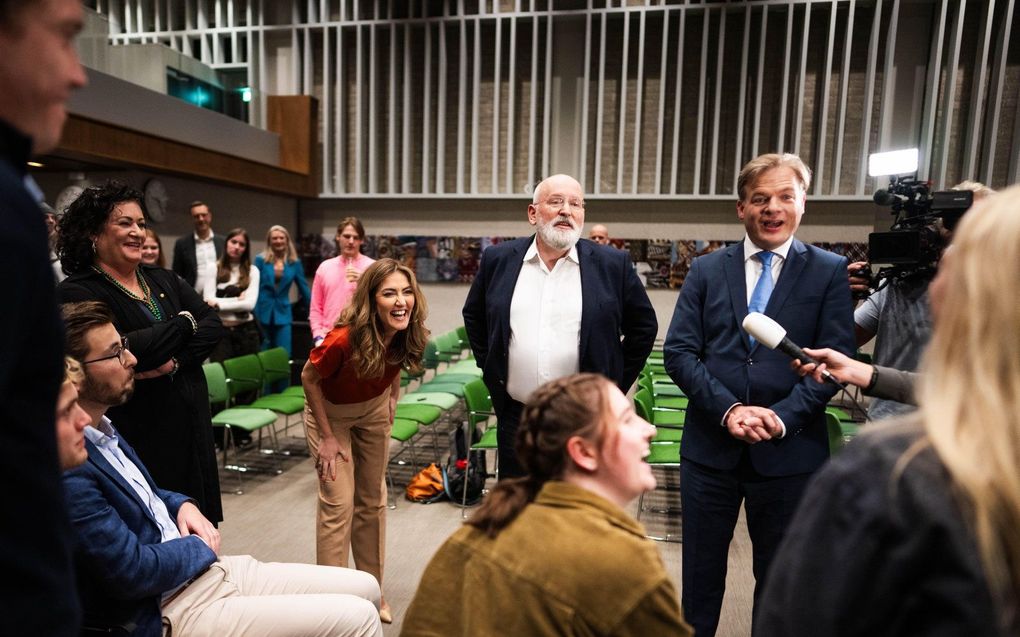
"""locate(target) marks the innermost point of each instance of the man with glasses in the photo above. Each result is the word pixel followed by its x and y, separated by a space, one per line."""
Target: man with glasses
pixel 148 557
pixel 551 305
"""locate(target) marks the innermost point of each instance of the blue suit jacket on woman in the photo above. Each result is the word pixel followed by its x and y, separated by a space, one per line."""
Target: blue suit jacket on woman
pixel 122 564
pixel 273 306
pixel 618 324
pixel 710 357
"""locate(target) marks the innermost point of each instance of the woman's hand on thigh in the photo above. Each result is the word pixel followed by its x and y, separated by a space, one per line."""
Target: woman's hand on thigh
pixel 329 451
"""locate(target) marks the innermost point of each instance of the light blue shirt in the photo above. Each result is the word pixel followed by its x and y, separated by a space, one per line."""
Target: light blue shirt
pixel 105 438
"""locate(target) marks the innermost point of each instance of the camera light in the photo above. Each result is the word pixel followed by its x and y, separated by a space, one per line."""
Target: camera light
pixel 895 162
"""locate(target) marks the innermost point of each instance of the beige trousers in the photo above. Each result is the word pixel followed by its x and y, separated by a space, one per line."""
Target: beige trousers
pixel 352 508
pixel 241 596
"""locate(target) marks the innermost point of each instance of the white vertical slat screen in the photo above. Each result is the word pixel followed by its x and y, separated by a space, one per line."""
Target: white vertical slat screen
pixel 666 98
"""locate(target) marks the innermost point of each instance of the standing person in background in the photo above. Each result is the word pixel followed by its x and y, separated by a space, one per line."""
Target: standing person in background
pixel 171 329
pixel 39 69
pixel 233 294
pixel 195 254
pixel 152 249
pixel 351 384
pixel 912 529
pixel 755 431
pixel 337 278
pixel 599 234
pixel 279 270
pixel 52 219
pixel 553 304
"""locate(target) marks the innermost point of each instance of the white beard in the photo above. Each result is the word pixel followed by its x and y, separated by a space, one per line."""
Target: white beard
pixel 556 238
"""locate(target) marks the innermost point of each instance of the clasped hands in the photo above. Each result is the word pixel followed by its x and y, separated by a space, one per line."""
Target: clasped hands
pixel 753 424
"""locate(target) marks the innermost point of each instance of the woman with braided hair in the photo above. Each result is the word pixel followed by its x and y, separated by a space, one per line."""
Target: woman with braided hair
pixel 553 553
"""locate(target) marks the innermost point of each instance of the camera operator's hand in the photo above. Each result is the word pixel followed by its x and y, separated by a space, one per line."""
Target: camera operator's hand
pixel 841 366
pixel 858 274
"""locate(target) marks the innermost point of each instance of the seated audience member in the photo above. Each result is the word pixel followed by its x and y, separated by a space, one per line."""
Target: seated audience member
pixel 233 292
pixel 553 553
pixel 152 249
pixel 71 418
pixel 148 557
pixel 913 528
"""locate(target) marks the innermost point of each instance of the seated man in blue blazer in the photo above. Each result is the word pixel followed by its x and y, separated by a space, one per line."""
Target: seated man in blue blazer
pixel 551 305
pixel 146 557
pixel 755 431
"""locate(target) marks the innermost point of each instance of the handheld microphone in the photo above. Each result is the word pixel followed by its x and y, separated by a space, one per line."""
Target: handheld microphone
pixel 773 336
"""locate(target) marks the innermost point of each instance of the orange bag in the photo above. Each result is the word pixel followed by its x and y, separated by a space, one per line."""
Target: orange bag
pixel 427 485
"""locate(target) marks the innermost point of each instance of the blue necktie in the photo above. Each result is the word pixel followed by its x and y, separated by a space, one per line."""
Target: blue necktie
pixel 763 288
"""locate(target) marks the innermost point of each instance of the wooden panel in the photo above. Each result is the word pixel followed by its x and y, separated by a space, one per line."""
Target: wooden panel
pixel 293 118
pixel 92 141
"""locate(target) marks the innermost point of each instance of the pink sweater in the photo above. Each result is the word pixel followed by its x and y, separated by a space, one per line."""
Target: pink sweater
pixel 331 292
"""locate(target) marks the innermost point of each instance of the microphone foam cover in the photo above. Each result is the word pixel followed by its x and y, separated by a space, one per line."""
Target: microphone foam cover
pixel 764 330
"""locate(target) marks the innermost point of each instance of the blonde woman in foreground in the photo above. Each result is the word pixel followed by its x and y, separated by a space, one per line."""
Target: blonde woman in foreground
pixel 554 553
pixel 915 528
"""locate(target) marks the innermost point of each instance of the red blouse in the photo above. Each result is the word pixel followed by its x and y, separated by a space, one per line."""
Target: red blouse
pixel 340 382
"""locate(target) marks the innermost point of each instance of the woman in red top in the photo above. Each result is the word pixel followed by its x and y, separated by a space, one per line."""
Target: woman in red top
pixel 352 381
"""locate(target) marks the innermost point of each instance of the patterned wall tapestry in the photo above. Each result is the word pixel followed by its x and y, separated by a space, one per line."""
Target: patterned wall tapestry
pixel 660 263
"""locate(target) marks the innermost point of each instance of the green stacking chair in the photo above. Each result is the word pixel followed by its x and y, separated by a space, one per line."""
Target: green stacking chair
pixel 835 431
pixel 667 455
pixel 244 374
pixel 479 406
pixel 245 418
pixel 658 416
pixel 276 367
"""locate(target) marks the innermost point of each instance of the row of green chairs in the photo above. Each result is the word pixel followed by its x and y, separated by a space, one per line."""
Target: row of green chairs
pixel 659 401
pixel 236 391
pixel 438 401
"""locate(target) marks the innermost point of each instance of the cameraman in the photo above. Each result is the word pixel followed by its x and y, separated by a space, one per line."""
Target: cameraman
pixel 899 317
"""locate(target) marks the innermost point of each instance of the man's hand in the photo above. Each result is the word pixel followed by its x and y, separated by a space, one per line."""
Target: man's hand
pixel 859 285
pixel 190 521
pixel 842 367
pixel 753 424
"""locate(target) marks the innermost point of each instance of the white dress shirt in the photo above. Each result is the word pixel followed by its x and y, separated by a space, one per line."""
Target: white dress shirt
pixel 752 266
pixel 205 260
pixel 545 323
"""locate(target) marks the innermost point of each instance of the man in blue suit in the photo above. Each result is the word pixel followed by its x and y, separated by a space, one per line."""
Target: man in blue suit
pixel 551 305
pixel 755 431
pixel 146 557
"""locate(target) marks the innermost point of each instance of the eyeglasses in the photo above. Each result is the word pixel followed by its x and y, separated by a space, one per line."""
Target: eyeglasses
pixel 558 203
pixel 119 354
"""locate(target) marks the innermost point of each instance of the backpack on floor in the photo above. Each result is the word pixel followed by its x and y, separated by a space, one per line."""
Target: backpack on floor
pixel 457 476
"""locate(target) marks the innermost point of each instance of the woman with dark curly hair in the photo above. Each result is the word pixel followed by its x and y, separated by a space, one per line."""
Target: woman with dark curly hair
pixel 351 381
pixel 171 331
pixel 554 552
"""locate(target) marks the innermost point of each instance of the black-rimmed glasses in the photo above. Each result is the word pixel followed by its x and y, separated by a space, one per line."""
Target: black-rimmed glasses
pixel 119 354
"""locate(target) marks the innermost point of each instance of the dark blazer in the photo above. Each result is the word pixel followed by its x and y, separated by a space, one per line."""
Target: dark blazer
pixel 710 358
pixel 37 588
pixel 618 325
pixel 185 261
pixel 123 565
pixel 273 305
